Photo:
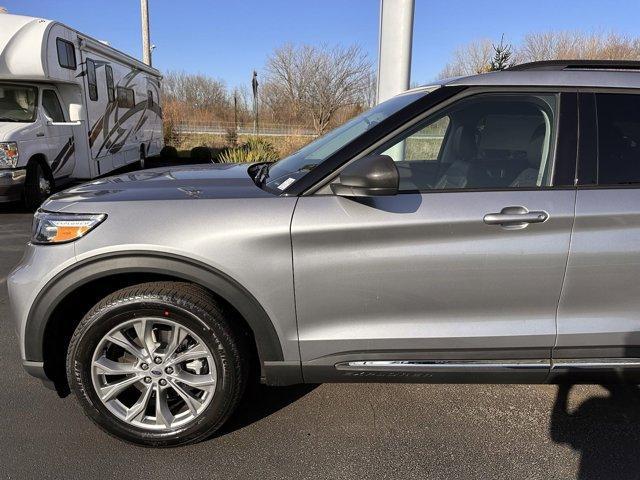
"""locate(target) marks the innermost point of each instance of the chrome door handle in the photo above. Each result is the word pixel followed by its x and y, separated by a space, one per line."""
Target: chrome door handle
pixel 515 217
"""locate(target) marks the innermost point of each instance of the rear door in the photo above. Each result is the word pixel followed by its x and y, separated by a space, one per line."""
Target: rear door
pixel 466 263
pixel 599 313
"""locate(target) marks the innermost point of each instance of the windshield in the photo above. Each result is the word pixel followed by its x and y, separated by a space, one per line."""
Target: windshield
pixel 287 171
pixel 17 103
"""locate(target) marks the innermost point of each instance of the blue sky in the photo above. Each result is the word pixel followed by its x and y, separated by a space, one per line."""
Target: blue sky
pixel 228 39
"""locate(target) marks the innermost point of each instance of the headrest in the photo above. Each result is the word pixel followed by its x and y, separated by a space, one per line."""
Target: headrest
pixel 465 144
pixel 534 150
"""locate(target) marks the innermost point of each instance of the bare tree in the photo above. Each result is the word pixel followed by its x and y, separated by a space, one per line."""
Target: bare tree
pixel 370 93
pixel 470 59
pixel 577 45
pixel 196 90
pixel 476 57
pixel 316 82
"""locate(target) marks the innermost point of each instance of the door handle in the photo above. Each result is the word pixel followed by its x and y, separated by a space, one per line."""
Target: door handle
pixel 515 217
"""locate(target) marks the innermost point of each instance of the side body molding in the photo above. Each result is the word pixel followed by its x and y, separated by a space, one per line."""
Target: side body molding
pixel 83 272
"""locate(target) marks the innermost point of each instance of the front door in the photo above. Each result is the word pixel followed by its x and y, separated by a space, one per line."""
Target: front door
pixel 465 263
pixel 60 136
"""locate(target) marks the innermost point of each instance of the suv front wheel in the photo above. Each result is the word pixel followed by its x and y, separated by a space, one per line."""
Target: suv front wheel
pixel 157 364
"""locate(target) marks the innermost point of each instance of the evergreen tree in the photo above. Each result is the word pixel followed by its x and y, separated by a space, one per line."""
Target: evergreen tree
pixel 502 54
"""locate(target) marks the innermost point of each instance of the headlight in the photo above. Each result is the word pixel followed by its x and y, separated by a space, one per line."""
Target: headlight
pixel 51 228
pixel 8 154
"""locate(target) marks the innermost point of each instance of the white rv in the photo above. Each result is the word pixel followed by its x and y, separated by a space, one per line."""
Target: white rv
pixel 71 108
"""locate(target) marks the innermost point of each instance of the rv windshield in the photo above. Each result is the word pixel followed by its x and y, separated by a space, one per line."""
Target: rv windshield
pixel 17 103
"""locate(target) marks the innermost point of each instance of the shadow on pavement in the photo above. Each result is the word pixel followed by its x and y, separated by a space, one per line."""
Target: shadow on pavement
pixel 605 430
pixel 13 207
pixel 262 401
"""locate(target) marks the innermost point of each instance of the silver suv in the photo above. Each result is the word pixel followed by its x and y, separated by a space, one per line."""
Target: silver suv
pixel 485 229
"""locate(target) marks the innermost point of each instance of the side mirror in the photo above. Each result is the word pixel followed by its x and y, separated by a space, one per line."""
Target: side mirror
pixel 367 177
pixel 76 112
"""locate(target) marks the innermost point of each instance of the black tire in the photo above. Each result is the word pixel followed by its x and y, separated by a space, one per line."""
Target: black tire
pixel 169 153
pixel 201 155
pixel 188 305
pixel 38 185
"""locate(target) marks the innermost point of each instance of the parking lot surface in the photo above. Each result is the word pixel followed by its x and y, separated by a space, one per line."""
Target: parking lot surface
pixel 329 431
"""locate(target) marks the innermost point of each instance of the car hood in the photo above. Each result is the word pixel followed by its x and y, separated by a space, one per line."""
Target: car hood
pixel 177 183
pixel 7 130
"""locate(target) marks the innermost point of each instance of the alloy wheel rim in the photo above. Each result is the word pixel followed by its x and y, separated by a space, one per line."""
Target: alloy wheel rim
pixel 153 373
pixel 44 185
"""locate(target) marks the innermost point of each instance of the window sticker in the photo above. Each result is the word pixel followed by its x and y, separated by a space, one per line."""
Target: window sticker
pixel 286 183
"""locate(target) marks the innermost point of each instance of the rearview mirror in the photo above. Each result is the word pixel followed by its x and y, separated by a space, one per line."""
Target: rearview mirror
pixel 367 177
pixel 76 112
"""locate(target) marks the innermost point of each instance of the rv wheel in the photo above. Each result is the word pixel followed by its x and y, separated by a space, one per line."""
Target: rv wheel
pixel 38 186
pixel 143 157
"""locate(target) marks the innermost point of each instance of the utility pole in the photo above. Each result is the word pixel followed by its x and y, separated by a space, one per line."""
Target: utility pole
pixel 394 50
pixel 146 45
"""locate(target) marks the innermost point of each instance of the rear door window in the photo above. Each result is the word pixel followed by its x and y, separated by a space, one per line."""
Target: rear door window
pixel 618 139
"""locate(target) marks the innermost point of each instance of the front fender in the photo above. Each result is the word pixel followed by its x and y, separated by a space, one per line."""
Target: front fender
pixel 67 281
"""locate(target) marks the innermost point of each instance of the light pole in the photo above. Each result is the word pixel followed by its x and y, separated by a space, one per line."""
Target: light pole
pixel 146 45
pixel 394 55
pixel 394 49
pixel 254 87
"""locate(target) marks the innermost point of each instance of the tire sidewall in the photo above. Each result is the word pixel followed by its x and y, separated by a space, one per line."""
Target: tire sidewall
pixel 32 192
pixel 97 325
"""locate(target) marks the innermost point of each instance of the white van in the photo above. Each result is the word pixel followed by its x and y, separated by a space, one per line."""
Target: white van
pixel 71 108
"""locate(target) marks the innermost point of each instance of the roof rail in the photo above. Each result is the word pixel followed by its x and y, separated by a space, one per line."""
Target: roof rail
pixel 578 65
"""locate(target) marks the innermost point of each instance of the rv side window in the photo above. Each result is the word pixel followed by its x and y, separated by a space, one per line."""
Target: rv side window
pixel 126 98
pixel 92 81
pixel 51 106
pixel 66 54
pixel 111 91
pixel 150 98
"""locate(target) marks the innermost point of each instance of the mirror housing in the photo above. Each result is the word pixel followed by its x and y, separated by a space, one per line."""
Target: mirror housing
pixel 76 112
pixel 367 177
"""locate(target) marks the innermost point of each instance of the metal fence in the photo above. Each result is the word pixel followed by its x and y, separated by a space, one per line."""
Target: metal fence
pixel 223 128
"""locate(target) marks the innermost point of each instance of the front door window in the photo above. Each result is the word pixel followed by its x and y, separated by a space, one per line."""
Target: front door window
pixel 484 142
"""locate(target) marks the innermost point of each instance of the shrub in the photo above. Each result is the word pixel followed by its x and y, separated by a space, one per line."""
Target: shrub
pixel 168 153
pixel 253 150
pixel 201 154
pixel 231 137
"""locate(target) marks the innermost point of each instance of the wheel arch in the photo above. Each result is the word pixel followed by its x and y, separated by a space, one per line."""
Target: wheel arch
pixel 41 158
pixel 73 288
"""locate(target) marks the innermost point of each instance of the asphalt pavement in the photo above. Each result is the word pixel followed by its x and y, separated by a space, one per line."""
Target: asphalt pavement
pixel 329 431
